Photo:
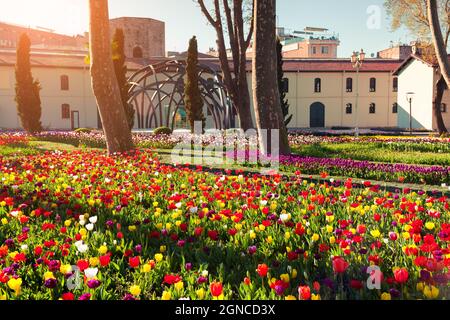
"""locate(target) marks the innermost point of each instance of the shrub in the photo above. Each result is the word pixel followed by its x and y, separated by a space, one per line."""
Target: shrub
pixel 83 130
pixel 162 130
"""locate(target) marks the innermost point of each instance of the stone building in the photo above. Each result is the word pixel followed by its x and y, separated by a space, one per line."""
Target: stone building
pixel 144 37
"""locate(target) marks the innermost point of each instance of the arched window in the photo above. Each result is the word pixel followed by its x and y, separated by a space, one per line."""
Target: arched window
pixel 372 108
pixel 395 85
pixel 349 108
pixel 373 84
pixel 137 52
pixel 317 85
pixel 395 108
pixel 64 82
pixel 349 84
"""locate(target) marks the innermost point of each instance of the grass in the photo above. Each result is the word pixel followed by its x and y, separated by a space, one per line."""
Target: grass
pixel 372 152
pixel 34 147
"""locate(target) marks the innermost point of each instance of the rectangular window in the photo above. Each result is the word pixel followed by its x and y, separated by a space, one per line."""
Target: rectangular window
pixel 349 84
pixel 443 108
pixel 373 85
pixel 314 50
pixel 395 85
pixel 395 108
pixel 317 85
pixel 64 83
pixel 372 108
pixel 325 50
pixel 65 111
pixel 349 108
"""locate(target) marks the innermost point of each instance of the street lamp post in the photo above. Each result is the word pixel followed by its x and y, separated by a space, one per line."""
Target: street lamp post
pixel 409 98
pixel 357 61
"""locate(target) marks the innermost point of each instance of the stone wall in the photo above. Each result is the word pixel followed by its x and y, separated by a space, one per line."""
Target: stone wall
pixel 144 33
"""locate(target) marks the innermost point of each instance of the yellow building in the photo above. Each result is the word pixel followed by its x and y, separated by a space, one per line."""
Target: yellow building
pixel 321 93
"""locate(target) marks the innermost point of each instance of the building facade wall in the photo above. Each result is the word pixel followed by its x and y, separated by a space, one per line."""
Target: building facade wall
pixel 417 77
pixel 79 97
pixel 146 34
pixel 334 97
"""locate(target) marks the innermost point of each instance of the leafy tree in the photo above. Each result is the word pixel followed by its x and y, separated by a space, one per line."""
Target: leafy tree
pixel 414 15
pixel 27 89
pixel 266 96
pixel 192 95
pixel 120 69
pixel 281 85
pixel 104 81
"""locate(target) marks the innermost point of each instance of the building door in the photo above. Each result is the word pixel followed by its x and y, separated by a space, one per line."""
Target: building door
pixel 317 115
pixel 75 119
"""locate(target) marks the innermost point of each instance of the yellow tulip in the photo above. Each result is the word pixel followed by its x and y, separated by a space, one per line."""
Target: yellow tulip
pixel 431 292
pixel 375 233
pixel 200 293
pixel 430 225
pixel 285 278
pixel 158 257
pixel 292 298
pixel 386 296
pixel 94 261
pixel 315 297
pixel 146 268
pixel 135 290
pixel 103 250
pixel 179 285
pixel 166 295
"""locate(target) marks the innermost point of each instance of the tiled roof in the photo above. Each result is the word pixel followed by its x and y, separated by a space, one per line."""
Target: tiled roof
pixel 62 60
pixel 339 65
pixel 77 60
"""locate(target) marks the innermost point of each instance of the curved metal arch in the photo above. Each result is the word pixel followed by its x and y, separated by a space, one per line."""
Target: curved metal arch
pixel 157 89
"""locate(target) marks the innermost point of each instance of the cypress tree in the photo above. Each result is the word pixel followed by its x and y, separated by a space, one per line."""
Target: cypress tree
pixel 120 69
pixel 193 100
pixel 284 101
pixel 28 100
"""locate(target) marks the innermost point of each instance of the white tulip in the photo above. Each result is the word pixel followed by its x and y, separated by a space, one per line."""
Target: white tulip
pixel 91 273
pixel 90 227
pixel 93 219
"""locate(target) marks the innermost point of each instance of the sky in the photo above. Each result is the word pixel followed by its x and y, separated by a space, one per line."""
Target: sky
pixel 359 23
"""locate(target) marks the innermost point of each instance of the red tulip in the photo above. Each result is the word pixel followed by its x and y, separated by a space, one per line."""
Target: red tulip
pixel 134 262
pixel 171 279
pixel 83 265
pixel 68 296
pixel 304 293
pixel 216 289
pixel 104 260
pixel 262 270
pixel 401 275
pixel 340 265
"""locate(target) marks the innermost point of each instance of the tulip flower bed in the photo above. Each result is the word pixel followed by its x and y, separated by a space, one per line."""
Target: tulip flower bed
pixel 81 225
pixel 419 174
pixel 11 140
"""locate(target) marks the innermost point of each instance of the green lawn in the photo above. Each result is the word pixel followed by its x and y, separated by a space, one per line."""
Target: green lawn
pixel 372 152
pixel 33 147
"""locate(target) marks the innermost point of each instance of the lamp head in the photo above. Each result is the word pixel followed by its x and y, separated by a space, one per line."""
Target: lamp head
pixel 410 96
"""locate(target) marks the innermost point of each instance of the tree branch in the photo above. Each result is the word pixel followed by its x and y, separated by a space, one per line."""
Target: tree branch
pixel 206 13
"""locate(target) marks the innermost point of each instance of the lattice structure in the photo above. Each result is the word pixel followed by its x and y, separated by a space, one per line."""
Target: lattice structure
pixel 157 95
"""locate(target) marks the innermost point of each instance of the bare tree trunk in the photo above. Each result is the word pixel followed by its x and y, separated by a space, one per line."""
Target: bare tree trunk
pixel 237 86
pixel 104 82
pixel 266 94
pixel 438 40
pixel 441 86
